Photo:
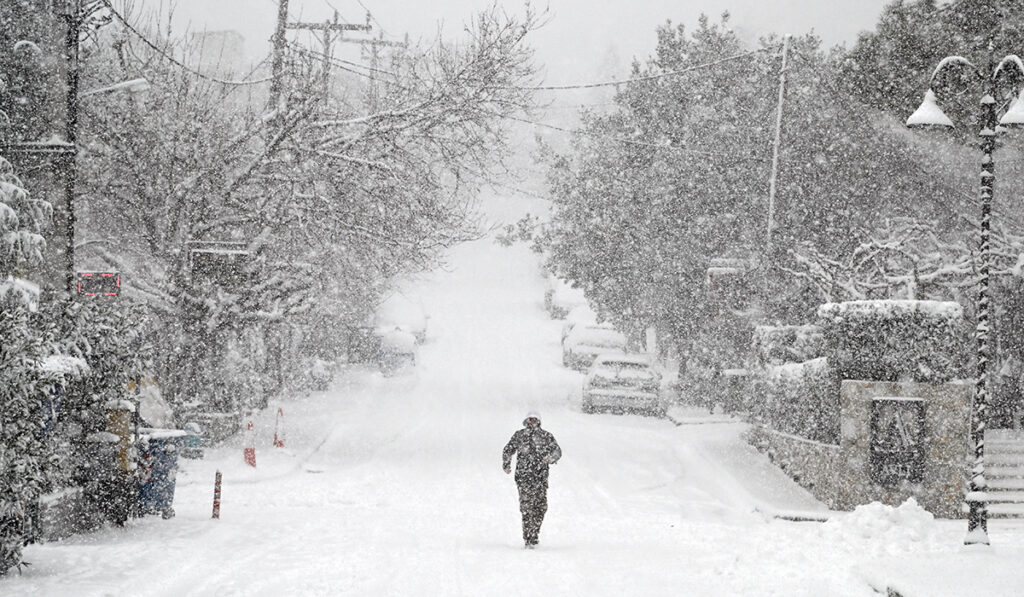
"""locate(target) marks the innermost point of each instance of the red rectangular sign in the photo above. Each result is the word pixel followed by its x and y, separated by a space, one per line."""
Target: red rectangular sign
pixel 99 283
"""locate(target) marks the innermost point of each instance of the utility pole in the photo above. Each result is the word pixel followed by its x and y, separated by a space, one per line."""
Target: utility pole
pixel 772 180
pixel 278 99
pixel 374 46
pixel 329 28
pixel 277 80
pixel 72 16
pixel 374 54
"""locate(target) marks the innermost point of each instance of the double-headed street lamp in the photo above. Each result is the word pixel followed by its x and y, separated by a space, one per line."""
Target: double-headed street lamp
pixel 930 115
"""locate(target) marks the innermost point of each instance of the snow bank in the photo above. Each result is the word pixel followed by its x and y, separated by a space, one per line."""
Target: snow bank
pixel 884 529
pixel 120 404
pixel 775 345
pixel 61 364
pixel 398 342
pixel 968 571
pixel 153 409
pixel 399 311
pixel 20 291
pixel 564 297
pixel 581 314
pixel 794 371
pixel 892 308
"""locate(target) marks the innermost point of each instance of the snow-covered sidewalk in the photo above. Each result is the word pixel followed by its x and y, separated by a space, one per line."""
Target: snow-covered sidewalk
pixel 958 571
pixel 393 486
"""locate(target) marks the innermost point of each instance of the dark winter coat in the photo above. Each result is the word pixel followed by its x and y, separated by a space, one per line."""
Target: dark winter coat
pixel 531 445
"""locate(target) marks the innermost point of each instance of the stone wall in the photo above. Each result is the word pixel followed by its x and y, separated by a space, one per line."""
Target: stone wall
pixel 812 464
pixel 946 437
pixel 840 476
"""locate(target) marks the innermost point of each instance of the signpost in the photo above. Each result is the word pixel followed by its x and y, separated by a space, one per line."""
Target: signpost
pixel 99 283
pixel 897 440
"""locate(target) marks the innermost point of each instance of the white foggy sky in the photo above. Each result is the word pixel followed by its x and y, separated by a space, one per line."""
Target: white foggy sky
pixel 574 43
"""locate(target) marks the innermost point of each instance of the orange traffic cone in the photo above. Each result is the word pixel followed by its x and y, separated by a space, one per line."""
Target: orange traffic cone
pixel 250 446
pixel 279 430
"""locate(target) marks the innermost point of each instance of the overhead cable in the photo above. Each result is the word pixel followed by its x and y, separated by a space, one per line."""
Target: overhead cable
pixel 631 141
pixel 124 22
pixel 636 79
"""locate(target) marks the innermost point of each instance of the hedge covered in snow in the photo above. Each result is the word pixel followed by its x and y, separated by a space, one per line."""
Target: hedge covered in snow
pixel 895 340
pixel 799 398
pixel 775 345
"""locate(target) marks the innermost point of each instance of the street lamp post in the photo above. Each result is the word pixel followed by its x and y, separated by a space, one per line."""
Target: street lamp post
pixel 73 31
pixel 930 115
pixel 73 16
pixel 131 85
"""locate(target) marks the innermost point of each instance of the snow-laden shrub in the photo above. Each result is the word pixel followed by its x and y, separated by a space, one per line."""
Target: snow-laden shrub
pixel 799 398
pixel 319 374
pixel 895 340
pixel 22 219
pixel 24 386
pixel 25 457
pixel 775 345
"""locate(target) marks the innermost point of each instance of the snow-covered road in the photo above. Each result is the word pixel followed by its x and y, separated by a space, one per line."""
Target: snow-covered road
pixel 393 486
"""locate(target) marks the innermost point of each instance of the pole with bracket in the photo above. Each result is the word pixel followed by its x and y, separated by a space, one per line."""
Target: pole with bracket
pixel 72 17
pixel 329 28
pixel 977 499
pixel 776 146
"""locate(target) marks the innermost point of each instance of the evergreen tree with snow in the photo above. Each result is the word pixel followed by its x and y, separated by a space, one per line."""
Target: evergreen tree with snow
pixel 24 455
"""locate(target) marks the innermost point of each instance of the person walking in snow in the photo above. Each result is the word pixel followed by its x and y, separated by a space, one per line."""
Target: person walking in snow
pixel 535 450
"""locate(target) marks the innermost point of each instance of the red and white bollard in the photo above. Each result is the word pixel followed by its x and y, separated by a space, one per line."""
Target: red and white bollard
pixel 216 496
pixel 250 446
pixel 279 430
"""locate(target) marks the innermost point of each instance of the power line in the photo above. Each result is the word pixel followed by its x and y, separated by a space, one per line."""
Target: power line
pixel 629 141
pixel 363 66
pixel 587 85
pixel 334 62
pixel 124 22
pixel 635 79
pixel 583 132
pixel 338 63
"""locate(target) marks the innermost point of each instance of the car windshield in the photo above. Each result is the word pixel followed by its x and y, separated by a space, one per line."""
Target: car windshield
pixel 624 369
pixel 599 337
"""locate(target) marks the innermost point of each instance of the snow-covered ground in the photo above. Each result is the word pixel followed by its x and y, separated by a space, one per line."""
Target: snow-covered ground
pixel 393 486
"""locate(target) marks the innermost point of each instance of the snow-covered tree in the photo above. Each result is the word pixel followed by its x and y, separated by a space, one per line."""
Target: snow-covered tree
pixel 329 199
pixel 22 219
pixel 23 386
pixel 676 179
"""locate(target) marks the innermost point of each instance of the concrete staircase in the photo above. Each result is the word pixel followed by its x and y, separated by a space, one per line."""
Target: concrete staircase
pixel 1004 471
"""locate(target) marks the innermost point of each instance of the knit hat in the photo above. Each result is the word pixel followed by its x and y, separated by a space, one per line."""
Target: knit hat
pixel 532 415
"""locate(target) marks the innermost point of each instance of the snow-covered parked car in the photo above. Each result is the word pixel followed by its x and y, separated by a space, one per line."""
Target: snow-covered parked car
pixel 581 315
pixel 561 298
pixel 622 382
pixel 583 343
pixel 400 311
pixel 397 351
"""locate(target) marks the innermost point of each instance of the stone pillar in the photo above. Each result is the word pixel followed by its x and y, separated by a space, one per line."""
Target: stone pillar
pixel 946 446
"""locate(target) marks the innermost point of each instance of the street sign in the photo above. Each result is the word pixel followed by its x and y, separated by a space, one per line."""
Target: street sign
pixel 897 440
pixel 227 264
pixel 99 283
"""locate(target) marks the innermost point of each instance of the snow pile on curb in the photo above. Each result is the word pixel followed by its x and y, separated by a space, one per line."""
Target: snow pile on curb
pixel 882 528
